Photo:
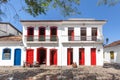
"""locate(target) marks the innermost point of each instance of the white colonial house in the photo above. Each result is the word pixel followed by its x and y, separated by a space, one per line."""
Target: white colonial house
pixel 112 52
pixel 63 42
pixel 10 45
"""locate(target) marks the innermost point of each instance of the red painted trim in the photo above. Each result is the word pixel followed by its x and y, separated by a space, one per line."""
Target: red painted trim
pixel 93 56
pixel 69 56
pixel 29 56
pixel 38 55
pixel 53 57
pixel 81 56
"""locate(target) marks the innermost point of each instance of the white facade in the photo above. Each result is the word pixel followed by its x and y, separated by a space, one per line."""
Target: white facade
pixel 115 49
pixel 15 56
pixel 62 44
pixel 10 62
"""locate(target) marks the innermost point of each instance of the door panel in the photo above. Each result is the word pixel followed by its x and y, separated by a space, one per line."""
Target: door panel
pixel 17 57
pixel 41 55
pixel 93 56
pixel 53 57
pixel 30 56
pixel 81 56
pixel 69 56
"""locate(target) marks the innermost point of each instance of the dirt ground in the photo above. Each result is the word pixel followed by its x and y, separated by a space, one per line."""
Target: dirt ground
pixel 107 72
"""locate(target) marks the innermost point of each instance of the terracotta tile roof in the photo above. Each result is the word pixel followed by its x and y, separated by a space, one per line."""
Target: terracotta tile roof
pixel 11 38
pixel 115 43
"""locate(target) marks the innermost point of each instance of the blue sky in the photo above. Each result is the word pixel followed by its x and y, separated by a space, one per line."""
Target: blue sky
pixel 88 9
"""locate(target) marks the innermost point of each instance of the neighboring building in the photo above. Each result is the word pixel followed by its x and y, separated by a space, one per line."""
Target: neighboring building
pixel 7 29
pixel 112 52
pixel 62 42
pixel 11 46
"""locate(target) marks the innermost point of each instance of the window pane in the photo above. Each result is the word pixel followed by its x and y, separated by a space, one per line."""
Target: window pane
pixel 111 54
pixel 6 54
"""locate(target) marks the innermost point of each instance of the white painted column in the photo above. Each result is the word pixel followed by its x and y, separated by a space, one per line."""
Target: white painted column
pixel 63 56
pixel 59 48
pixel 77 33
pixel 23 55
pixel 99 33
pixel 47 31
pixel 76 55
pixel 48 57
pixel 36 30
pixel 24 34
pixel 64 33
pixel 87 56
pixel 88 30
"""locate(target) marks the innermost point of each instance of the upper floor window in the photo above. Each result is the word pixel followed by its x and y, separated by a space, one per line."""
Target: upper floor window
pixel 41 33
pixel 111 54
pixel 53 33
pixel 6 54
pixel 94 34
pixel 83 33
pixel 30 33
pixel 70 34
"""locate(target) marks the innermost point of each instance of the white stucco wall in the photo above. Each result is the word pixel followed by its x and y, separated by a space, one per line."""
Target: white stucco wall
pixel 116 50
pixel 11 61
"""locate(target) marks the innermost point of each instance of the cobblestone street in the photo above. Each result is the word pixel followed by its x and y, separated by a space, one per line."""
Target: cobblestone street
pixel 107 72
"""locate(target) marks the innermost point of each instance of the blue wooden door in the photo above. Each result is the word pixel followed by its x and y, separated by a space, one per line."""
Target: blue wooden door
pixel 17 57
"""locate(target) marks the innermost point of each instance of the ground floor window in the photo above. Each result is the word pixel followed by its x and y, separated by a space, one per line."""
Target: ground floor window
pixel 111 54
pixel 6 54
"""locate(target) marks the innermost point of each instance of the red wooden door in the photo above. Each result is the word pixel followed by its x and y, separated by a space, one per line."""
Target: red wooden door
pixel 93 56
pixel 81 56
pixel 29 57
pixel 53 57
pixel 41 55
pixel 69 56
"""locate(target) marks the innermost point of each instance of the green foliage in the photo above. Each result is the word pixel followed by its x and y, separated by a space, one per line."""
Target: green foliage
pixel 37 7
pixel 67 7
